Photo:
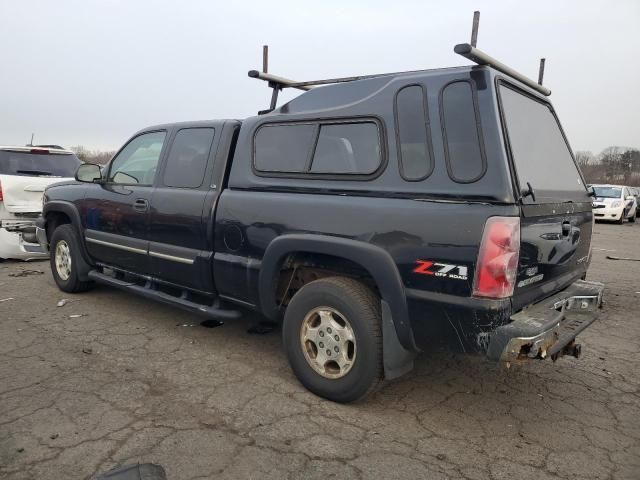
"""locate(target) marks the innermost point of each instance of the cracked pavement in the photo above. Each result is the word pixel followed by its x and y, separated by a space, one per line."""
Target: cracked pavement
pixel 126 382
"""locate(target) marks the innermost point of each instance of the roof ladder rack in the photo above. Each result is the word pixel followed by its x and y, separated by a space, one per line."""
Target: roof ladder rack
pixel 481 58
pixel 275 82
pixel 467 50
pixel 278 83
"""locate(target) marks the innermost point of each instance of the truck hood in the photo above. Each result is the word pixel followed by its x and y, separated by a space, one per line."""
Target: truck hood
pixel 23 194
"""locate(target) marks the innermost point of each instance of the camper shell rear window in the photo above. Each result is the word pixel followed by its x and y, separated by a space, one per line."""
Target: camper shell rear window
pixel 538 147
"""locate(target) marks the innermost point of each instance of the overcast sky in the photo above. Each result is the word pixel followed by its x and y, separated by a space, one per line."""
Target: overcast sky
pixel 92 72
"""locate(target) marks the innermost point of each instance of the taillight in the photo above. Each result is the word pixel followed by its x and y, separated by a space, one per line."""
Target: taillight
pixel 1 197
pixel 497 264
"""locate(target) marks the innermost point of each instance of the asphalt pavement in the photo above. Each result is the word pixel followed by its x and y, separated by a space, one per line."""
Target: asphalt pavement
pixel 109 378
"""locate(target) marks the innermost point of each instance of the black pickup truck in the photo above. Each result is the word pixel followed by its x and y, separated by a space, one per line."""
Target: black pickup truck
pixel 374 216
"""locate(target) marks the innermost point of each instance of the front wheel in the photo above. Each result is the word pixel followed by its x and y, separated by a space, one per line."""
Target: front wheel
pixel 66 260
pixel 333 339
pixel 633 219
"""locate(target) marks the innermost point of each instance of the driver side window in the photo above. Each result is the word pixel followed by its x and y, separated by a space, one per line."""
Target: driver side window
pixel 137 163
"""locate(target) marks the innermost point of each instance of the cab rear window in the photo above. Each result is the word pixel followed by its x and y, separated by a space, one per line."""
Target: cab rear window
pixel 539 150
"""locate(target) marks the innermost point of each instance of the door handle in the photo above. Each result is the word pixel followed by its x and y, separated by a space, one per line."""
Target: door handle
pixel 566 228
pixel 141 205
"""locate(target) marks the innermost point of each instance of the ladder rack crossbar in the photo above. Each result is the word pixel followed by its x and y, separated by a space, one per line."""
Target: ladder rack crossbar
pixel 275 81
pixel 481 58
pixel 329 81
pixel 287 83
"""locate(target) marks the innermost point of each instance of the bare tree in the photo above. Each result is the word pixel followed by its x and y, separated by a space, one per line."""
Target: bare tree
pixel 618 165
pixel 584 158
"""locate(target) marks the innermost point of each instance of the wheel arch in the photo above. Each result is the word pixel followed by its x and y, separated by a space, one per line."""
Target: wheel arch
pixel 374 260
pixel 60 212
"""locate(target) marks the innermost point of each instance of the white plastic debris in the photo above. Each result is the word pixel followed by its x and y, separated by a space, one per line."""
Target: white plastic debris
pixel 62 302
pixel 6 299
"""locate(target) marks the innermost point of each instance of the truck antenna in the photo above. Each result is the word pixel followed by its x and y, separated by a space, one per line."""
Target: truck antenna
pixel 31 142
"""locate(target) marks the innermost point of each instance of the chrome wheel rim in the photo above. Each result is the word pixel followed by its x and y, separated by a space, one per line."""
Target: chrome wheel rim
pixel 328 342
pixel 63 260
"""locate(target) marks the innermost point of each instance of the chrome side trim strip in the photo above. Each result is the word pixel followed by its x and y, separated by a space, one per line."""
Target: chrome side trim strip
pixel 187 261
pixel 115 245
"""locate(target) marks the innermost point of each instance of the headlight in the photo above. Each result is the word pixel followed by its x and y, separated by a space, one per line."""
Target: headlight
pixel 616 204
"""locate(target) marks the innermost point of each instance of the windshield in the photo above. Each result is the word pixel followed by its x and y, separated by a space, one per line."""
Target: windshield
pixel 607 192
pixel 541 155
pixel 38 164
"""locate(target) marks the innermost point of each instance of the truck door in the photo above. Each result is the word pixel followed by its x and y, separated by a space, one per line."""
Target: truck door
pixel 179 247
pixel 116 213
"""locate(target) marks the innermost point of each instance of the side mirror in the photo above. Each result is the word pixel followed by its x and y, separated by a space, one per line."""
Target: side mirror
pixel 89 173
pixel 631 197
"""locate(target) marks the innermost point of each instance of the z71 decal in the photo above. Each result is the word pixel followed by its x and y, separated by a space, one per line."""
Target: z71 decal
pixel 427 267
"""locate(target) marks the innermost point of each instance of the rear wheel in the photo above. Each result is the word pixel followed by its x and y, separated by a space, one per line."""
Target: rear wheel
pixel 333 339
pixel 66 260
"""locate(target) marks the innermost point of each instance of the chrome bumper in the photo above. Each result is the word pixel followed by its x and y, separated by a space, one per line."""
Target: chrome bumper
pixel 548 328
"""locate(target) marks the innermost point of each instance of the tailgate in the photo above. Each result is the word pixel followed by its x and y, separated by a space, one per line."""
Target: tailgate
pixel 554 248
pixel 23 194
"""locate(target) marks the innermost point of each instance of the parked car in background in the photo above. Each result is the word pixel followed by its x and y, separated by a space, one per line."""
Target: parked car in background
pixel 24 174
pixel 635 191
pixel 615 203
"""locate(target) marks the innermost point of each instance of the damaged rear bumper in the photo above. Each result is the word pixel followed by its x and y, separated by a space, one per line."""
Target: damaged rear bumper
pixel 18 240
pixel 548 328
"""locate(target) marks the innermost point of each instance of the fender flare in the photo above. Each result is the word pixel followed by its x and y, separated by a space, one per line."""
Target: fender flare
pixel 70 210
pixel 373 259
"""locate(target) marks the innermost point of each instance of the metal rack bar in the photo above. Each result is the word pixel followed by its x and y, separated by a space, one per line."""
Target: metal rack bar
pixel 350 79
pixel 283 82
pixel 474 28
pixel 481 58
pixel 541 71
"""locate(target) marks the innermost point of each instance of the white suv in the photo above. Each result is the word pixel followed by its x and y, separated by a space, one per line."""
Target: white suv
pixel 24 174
pixel 614 203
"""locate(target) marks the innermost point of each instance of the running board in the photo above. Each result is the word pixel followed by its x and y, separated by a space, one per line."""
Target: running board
pixel 213 311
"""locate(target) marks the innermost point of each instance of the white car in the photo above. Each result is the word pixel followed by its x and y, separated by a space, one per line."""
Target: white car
pixel 614 203
pixel 24 174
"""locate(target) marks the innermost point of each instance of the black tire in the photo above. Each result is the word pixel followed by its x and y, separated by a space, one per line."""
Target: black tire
pixel 621 221
pixel 633 219
pixel 73 284
pixel 361 308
